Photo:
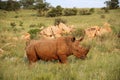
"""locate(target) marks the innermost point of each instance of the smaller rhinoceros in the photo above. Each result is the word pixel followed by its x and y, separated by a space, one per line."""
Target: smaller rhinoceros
pixel 55 49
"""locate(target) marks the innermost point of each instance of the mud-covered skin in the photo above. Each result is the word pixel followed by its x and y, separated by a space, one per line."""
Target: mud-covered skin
pixel 55 49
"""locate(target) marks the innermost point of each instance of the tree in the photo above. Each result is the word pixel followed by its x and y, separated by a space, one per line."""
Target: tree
pixel 112 4
pixel 70 12
pixel 3 5
pixel 41 6
pixel 9 5
pixel 55 11
pixel 27 3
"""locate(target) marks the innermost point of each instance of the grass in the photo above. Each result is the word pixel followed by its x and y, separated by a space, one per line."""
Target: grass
pixel 103 62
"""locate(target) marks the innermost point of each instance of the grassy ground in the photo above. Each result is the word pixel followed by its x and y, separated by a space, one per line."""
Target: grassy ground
pixel 103 62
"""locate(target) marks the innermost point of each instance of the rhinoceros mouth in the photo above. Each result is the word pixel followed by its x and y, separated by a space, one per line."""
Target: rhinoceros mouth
pixel 83 57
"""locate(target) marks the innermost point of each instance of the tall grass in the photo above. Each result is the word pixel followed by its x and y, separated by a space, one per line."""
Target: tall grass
pixel 102 62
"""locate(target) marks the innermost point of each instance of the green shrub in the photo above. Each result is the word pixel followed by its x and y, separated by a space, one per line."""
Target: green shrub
pixel 84 12
pixel 10 5
pixel 92 10
pixel 16 16
pixel 33 33
pixel 78 32
pixel 54 12
pixel 106 10
pixel 32 25
pixel 13 24
pixel 20 23
pixel 70 12
pixel 58 21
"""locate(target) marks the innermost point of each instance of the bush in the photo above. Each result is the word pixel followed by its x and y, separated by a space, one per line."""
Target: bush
pixel 70 12
pixel 54 12
pixel 9 5
pixel 58 21
pixel 13 24
pixel 20 23
pixel 92 10
pixel 84 12
pixel 16 16
pixel 106 10
pixel 32 25
pixel 78 32
pixel 33 33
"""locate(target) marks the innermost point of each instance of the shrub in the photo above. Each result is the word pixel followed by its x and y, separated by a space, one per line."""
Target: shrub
pixel 20 23
pixel 9 5
pixel 92 10
pixel 32 25
pixel 55 12
pixel 58 21
pixel 106 10
pixel 78 32
pixel 84 12
pixel 33 33
pixel 16 16
pixel 13 24
pixel 70 12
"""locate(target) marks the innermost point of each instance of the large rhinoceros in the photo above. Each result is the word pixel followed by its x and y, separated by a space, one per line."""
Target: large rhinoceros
pixel 55 49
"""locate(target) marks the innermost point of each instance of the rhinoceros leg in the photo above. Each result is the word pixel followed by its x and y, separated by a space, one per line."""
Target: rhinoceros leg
pixel 31 54
pixel 63 58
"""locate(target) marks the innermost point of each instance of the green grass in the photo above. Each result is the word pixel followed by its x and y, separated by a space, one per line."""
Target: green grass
pixel 103 62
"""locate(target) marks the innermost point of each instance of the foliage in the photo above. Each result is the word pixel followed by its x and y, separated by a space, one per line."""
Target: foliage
pixel 91 10
pixel 20 23
pixel 13 24
pixel 54 12
pixel 70 12
pixel 59 20
pixel 78 32
pixel 27 4
pixel 9 5
pixel 33 33
pixel 42 8
pixel 106 10
pixel 84 12
pixel 112 4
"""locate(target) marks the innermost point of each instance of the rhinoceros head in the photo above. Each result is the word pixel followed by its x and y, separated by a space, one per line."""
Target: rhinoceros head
pixel 78 50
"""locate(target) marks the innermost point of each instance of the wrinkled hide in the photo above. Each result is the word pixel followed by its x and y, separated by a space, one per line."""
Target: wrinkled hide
pixel 54 49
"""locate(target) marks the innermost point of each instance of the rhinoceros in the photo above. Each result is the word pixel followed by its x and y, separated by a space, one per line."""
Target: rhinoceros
pixel 55 49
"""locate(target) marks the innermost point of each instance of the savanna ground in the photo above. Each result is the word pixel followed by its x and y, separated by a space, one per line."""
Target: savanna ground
pixel 103 62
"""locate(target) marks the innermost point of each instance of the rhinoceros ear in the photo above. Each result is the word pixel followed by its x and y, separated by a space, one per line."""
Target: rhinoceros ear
pixel 80 39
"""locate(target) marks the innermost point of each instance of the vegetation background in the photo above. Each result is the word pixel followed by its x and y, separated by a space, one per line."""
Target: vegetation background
pixel 103 62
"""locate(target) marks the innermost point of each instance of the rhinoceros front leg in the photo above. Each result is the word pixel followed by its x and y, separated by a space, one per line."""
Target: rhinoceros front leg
pixel 63 58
